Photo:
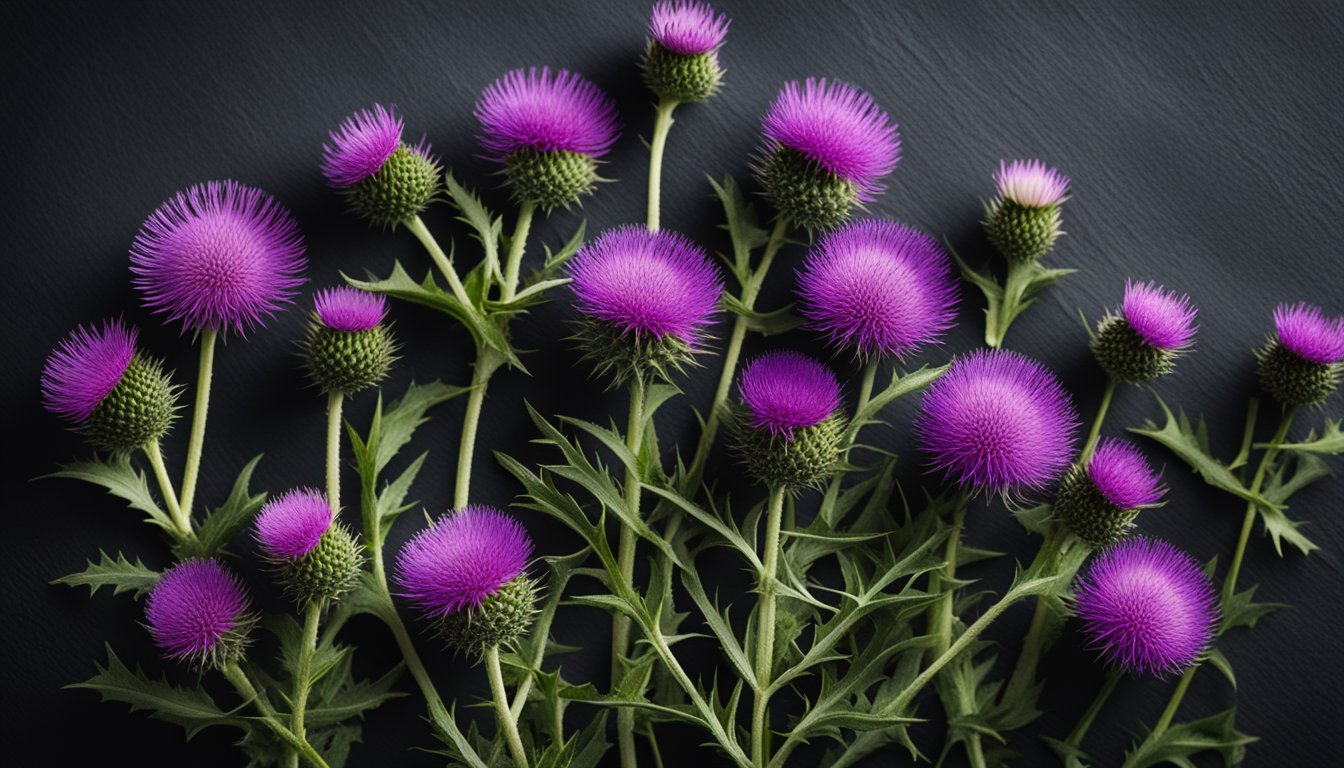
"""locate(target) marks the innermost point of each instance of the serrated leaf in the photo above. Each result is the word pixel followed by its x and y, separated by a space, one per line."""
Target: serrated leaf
pixel 1219 662
pixel 899 386
pixel 191 708
pixel 222 524
pixel 355 700
pixel 390 500
pixel 1180 742
pixel 1330 442
pixel 486 226
pixel 404 416
pixel 1241 610
pixel 554 262
pixel 1190 444
pixel 779 321
pixel 118 573
pixel 120 478
pixel 743 228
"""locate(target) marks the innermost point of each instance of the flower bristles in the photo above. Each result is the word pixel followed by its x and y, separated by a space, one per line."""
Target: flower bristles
pixel 1122 475
pixel 1308 333
pixel 461 559
pixel 687 27
pixel 198 613
pixel 1100 500
pixel 85 367
pixel 344 308
pixel 533 109
pixel 361 145
pixel 1302 364
pixel 1030 184
pixel 786 391
pixel 290 526
pixel 1023 220
pixel 1163 319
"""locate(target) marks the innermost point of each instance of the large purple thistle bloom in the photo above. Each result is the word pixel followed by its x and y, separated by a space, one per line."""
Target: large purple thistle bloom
pixel 786 391
pixel 291 525
pixel 344 308
pixel 647 283
pixel 687 27
pixel 1163 319
pixel 1119 471
pixel 998 421
pixel 1147 606
pixel 360 146
pixel 535 109
pixel 838 127
pixel 461 559
pixel 1307 332
pixel 193 605
pixel 1031 184
pixel 86 366
pixel 218 256
pixel 878 287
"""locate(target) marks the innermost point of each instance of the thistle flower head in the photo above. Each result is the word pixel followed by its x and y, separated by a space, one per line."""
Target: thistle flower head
pixel 687 27
pixel 878 288
pixel 1302 364
pixel 461 560
pixel 198 612
pixel 383 179
pixel 348 349
pixel 1147 607
pixel 1030 184
pixel 1122 475
pixel 1308 333
pixel 786 391
pixel 85 368
pixel 361 145
pixel 218 256
pixel 1099 500
pixel 998 421
pixel 344 308
pixel 534 109
pixel 1023 220
pixel 291 525
pixel 1163 319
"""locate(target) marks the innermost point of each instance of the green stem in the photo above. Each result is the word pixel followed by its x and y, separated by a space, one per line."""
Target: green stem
pixel 154 453
pixel 1079 731
pixel 421 232
pixel 1091 443
pixel 827 509
pixel 517 246
pixel 200 410
pixel 765 630
pixel 312 616
pixel 502 711
pixel 487 362
pixel 334 401
pixel 996 328
pixel 1174 703
pixel 235 675
pixel 940 619
pixel 662 124
pixel 975 751
pixel 620 627
pixel 1033 643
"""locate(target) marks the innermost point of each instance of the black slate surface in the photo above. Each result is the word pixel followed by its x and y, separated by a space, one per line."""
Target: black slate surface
pixel 1204 143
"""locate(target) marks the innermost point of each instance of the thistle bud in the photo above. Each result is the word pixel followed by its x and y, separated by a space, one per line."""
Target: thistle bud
pixel 348 348
pixel 1301 365
pixel 681 62
pixel 1023 220
pixel 1099 501
pixel 790 428
pixel 385 180
pixel 318 559
pixel 1143 341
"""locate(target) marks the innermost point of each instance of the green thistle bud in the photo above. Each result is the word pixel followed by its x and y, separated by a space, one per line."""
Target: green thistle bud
pixel 138 410
pixel 1126 356
pixel 621 355
pixel 501 619
pixel 550 179
pixel 328 571
pixel 1293 380
pixel 1099 500
pixel 1088 514
pixel 399 191
pixel 675 77
pixel 806 194
pixel 348 361
pixel 1022 233
pixel 805 460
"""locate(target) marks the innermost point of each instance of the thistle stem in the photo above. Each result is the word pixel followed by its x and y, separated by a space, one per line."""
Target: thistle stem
pixel 940 619
pixel 765 630
pixel 502 711
pixel 662 124
pixel 827 509
pixel 1174 703
pixel 517 246
pixel 487 362
pixel 154 453
pixel 1033 643
pixel 200 410
pixel 312 616
pixel 1091 444
pixel 441 260
pixel 1079 731
pixel 620 627
pixel 334 402
pixel 996 328
pixel 235 675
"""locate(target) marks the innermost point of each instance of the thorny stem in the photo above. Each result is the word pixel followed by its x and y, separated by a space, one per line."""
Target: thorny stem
pixel 1091 444
pixel 620 627
pixel 517 246
pixel 996 327
pixel 662 124
pixel 827 509
pixel 501 700
pixel 334 401
pixel 312 616
pixel 243 685
pixel 421 232
pixel 154 453
pixel 765 630
pixel 196 443
pixel 487 362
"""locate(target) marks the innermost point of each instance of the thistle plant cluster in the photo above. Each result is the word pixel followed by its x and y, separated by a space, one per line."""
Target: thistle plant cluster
pixel 858 630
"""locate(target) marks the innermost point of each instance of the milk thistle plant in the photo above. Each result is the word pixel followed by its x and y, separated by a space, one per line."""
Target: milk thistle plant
pixel 858 630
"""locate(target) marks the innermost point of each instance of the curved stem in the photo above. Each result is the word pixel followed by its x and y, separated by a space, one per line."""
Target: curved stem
pixel 827 509
pixel 1174 703
pixel 154 453
pixel 441 260
pixel 502 711
pixel 1047 559
pixel 200 410
pixel 1234 570
pixel 1085 722
pixel 517 246
pixel 1091 443
pixel 243 685
pixel 334 401
pixel 487 362
pixel 662 124
pixel 620 626
pixel 765 629
pixel 312 616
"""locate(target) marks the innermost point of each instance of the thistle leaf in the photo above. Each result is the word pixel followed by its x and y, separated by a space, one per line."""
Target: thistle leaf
pixel 118 573
pixel 1180 742
pixel 1191 445
pixel 1330 441
pixel 120 478
pixel 221 525
pixel 191 708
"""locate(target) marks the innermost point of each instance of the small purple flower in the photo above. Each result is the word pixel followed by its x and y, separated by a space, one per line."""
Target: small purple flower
pixel 1031 184
pixel 348 309
pixel 838 127
pixel 1163 319
pixel 1307 332
pixel 998 421
pixel 86 366
pixel 786 391
pixel 291 525
pixel 1147 606
pixel 647 283
pixel 461 559
pixel 218 256
pixel 688 27
pixel 533 109
pixel 361 145
pixel 1119 471
pixel 878 287
pixel 193 607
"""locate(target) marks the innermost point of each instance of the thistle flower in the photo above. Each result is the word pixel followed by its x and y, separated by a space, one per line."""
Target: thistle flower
pixel 1100 500
pixel 1023 220
pixel 319 560
pixel 219 256
pixel 646 299
pixel 198 612
pixel 878 288
pixel 998 421
pixel 385 180
pixel 827 147
pixel 348 348
pixel 1301 364
pixel 467 571
pixel 1147 606
pixel 97 381
pixel 681 62
pixel 1153 328
pixel 791 424
pixel 548 131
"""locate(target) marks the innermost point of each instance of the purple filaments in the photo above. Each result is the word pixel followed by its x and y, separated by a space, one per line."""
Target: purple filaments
pixel 649 284
pixel 1121 474
pixel 360 146
pixel 1307 332
pixel 348 309
pixel 838 127
pixel 86 366
pixel 1163 319
pixel 787 391
pixel 192 607
pixel 687 27
pixel 461 559
pixel 1031 184
pixel 535 109
pixel 998 421
pixel 879 288
pixel 218 256
pixel 1147 607
pixel 291 525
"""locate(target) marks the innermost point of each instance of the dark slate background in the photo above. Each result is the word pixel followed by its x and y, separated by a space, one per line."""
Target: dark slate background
pixel 1204 144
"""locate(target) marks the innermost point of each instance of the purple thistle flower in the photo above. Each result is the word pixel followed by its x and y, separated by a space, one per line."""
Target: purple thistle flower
pixel 1122 475
pixel 647 283
pixel 291 525
pixel 998 421
pixel 360 146
pixel 1163 319
pixel 533 109
pixel 461 559
pixel 193 606
pixel 785 391
pixel 879 287
pixel 837 126
pixel 687 27
pixel 1147 606
pixel 218 256
pixel 1306 332
pixel 1031 184
pixel 344 308
pixel 86 366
